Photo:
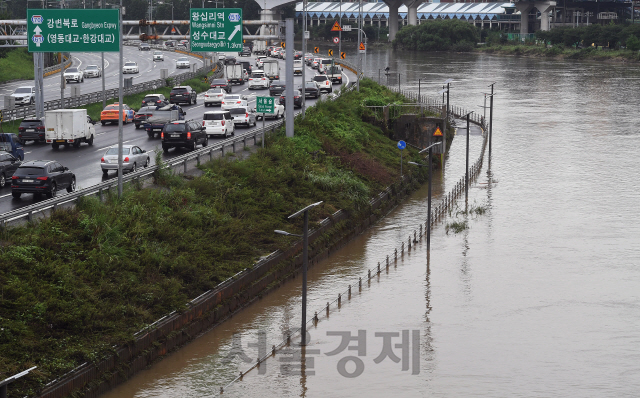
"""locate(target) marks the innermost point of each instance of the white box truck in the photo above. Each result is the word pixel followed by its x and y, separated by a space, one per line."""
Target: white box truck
pixel 234 73
pixel 271 69
pixel 259 47
pixel 68 127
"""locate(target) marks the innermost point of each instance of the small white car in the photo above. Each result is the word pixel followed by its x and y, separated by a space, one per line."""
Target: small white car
pixel 315 63
pixel 92 71
pixel 258 80
pixel 219 123
pixel 297 67
pixel 25 95
pixel 183 62
pixel 73 75
pixel 158 56
pixel 259 60
pixel 243 116
pixel 278 111
pixel 233 101
pixel 214 96
pixel 130 67
pixel 324 83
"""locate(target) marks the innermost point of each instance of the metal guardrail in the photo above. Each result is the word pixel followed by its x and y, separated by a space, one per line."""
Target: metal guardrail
pixel 90 98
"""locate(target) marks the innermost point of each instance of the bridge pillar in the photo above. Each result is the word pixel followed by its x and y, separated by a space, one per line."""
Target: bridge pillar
pixel 412 14
pixel 524 8
pixel 545 7
pixel 393 17
pixel 267 15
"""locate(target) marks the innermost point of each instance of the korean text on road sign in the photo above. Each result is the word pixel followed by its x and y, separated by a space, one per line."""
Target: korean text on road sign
pixel 217 29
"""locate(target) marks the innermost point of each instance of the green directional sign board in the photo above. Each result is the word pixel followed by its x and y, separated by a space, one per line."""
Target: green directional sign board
pixel 68 30
pixel 216 29
pixel 264 104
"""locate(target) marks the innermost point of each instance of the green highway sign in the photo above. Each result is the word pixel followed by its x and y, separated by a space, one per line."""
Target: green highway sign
pixel 69 30
pixel 216 29
pixel 264 104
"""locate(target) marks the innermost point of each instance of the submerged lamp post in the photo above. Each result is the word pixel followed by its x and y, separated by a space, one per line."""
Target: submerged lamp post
pixel 446 90
pixel 305 261
pixel 466 168
pixel 429 148
pixel 491 119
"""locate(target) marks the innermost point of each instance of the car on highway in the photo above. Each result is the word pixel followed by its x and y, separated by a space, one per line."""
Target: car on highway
pixel 214 96
pixel 246 52
pixel 311 89
pixel 144 47
pixel 25 95
pixel 308 58
pixel 278 111
pixel 111 114
pixel 259 60
pixel 170 44
pixel 183 62
pixel 222 57
pixel 315 62
pixel 10 143
pixel 141 116
pixel 132 158
pixel 161 115
pixel 154 99
pixel 230 60
pixel 158 56
pixel 276 88
pixel 243 116
pixel 183 133
pixel 324 84
pixel 233 101
pixel 297 98
pixel 31 129
pixel 219 123
pixel 73 75
pixel 8 166
pixel 324 65
pixel 258 80
pixel 92 71
pixel 184 42
pixel 297 55
pixel 42 177
pixel 297 67
pixel 221 83
pixel 130 67
pixel 183 94
pixel 246 65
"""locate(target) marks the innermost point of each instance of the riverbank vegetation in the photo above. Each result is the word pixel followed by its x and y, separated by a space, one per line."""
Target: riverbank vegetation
pixel 86 279
pixel 16 64
pixel 598 42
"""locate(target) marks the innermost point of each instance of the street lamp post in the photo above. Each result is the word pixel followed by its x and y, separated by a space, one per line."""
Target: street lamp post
pixel 305 262
pixel 466 169
pixel 429 148
pixel 491 119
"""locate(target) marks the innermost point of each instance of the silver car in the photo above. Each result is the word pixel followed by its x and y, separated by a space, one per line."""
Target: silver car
pixel 132 158
pixel 92 71
pixel 244 115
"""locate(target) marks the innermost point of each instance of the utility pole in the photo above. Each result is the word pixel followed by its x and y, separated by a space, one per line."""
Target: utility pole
pixel 288 107
pixel 490 120
pixel 358 44
pixel 304 52
pixel 120 108
pixel 104 95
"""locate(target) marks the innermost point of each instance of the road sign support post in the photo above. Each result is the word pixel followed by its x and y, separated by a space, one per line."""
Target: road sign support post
pixel 304 52
pixel 38 69
pixel 120 107
pixel 289 77
pixel 62 81
pixel 104 95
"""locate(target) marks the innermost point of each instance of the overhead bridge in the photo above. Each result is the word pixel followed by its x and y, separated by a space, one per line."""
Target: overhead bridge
pixel 13 33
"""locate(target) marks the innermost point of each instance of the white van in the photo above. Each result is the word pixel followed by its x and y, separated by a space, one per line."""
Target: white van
pixel 297 67
pixel 324 65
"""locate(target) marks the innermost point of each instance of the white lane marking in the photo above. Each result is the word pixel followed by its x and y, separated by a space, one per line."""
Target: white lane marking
pixel 4 196
pixel 107 147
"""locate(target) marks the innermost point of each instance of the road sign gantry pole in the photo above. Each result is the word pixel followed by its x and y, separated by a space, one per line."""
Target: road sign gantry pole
pixel 120 107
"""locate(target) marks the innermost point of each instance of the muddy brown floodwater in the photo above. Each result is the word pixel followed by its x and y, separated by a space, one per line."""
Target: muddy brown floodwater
pixel 539 296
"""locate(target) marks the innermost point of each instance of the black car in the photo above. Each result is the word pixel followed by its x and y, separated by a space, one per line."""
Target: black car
pixel 140 117
pixel 310 90
pixel 246 65
pixel 31 130
pixel 276 88
pixel 183 133
pixel 8 166
pixel 42 177
pixel 230 60
pixel 246 52
pixel 183 94
pixel 297 99
pixel 154 100
pixel 222 83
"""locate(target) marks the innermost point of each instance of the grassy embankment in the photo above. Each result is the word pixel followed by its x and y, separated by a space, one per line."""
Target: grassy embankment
pixel 16 64
pixel 83 280
pixel 133 100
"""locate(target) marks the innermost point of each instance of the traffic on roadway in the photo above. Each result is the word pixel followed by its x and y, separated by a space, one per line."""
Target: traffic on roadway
pixel 86 162
pixel 87 69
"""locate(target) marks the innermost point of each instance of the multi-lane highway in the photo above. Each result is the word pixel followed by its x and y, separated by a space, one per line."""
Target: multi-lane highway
pixel 85 160
pixel 149 70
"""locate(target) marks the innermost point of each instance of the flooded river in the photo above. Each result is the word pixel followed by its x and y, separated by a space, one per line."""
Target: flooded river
pixel 539 296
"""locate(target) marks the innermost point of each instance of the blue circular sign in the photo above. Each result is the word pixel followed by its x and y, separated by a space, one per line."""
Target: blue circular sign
pixel 402 144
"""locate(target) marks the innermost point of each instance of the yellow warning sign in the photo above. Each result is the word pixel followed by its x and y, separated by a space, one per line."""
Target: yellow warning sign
pixel 282 44
pixel 331 53
pixel 438 132
pixel 336 27
pixel 361 46
pixel 316 49
pixel 343 55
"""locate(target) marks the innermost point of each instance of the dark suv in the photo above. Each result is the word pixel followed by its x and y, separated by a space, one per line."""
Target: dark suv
pixel 31 130
pixel 276 88
pixel 42 176
pixel 181 133
pixel 222 83
pixel 183 94
pixel 246 52
pixel 8 166
pixel 154 100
